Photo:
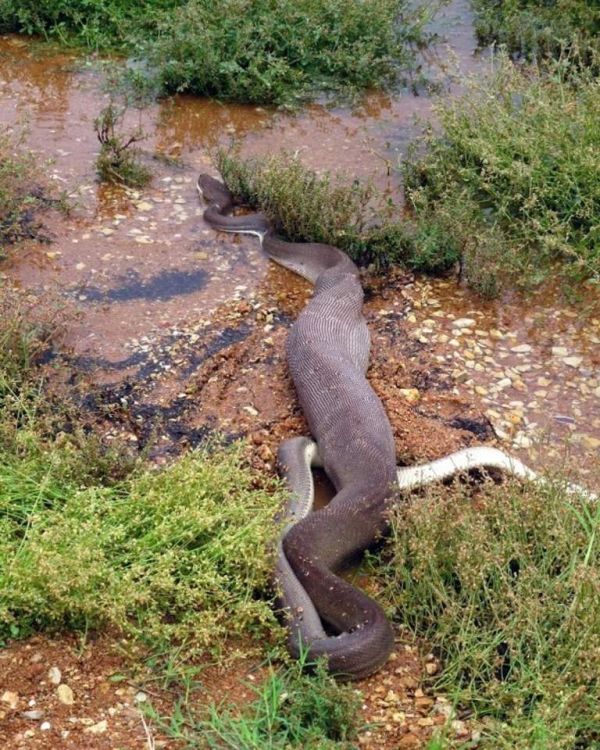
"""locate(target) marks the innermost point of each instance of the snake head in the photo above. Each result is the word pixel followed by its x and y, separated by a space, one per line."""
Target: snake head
pixel 212 190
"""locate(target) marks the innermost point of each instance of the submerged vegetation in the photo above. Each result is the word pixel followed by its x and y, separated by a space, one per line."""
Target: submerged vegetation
pixel 20 193
pixel 541 28
pixel 250 51
pixel 505 587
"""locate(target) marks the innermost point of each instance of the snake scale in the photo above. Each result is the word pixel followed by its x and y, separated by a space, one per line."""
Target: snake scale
pixel 328 353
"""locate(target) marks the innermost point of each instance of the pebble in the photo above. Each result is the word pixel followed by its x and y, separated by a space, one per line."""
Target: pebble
pixel 463 323
pixel 573 361
pixel 8 696
pixel 34 715
pixel 65 695
pixel 54 675
pixel 98 728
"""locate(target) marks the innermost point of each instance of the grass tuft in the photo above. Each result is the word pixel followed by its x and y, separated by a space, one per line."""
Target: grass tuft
pixel 309 207
pixel 506 589
pixel 20 195
pixel 292 710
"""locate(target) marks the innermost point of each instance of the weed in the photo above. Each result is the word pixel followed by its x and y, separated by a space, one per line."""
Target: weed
pixel 89 539
pixel 291 710
pixel 506 588
pixel 118 160
pixel 511 184
pixel 541 28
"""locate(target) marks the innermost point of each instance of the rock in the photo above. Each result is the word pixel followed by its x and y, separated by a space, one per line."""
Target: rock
pixel 559 351
pixel 11 698
pixel 463 323
pixel 65 695
pixel 45 726
pixel 34 715
pixel 521 349
pixel 98 728
pixel 410 394
pixel 54 675
pixel 140 697
pixel 573 361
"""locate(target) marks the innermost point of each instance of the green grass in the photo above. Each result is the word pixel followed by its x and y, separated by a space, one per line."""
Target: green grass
pixel 292 710
pixel 541 28
pixel 89 539
pixel 510 183
pixel 505 587
pixel 262 51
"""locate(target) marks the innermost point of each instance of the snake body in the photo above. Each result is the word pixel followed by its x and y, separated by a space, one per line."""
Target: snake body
pixel 328 353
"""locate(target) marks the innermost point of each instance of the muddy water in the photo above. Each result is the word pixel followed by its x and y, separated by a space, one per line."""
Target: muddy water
pixel 148 283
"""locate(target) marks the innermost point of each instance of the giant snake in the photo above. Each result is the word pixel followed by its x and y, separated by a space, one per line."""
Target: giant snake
pixel 328 353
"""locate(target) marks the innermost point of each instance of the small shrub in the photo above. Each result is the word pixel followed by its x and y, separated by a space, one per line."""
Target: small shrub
pixel 542 28
pixel 279 52
pixel 512 180
pixel 292 711
pixel 88 539
pixel 309 207
pixel 505 587
pixel 119 160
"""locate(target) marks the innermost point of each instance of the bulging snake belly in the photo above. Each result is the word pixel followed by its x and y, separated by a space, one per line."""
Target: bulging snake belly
pixel 328 353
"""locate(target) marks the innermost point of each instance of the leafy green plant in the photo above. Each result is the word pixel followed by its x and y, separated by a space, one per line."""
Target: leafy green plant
pixel 505 587
pixel 264 51
pixel 513 171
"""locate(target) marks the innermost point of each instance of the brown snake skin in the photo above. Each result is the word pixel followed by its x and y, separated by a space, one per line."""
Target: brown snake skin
pixel 328 353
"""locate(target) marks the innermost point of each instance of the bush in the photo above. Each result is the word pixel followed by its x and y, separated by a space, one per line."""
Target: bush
pixel 541 28
pixel 264 51
pixel 269 51
pixel 119 159
pixel 515 175
pixel 505 586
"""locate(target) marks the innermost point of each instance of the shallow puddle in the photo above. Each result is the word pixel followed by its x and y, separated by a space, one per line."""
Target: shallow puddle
pixel 150 285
